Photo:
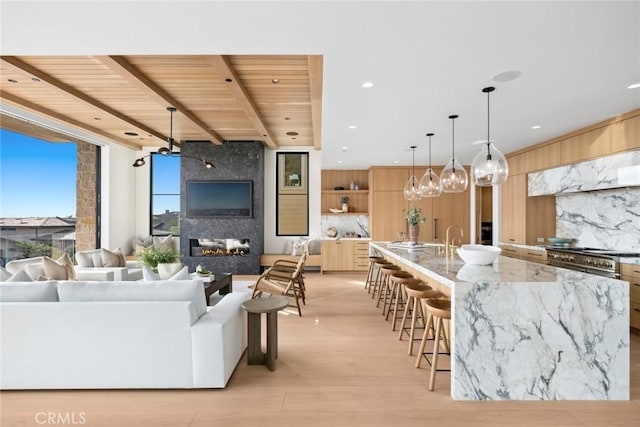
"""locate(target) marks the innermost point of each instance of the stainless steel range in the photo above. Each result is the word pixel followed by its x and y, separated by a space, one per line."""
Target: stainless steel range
pixel 603 262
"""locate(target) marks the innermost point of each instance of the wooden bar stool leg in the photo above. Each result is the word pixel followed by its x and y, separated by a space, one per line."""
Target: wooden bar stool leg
pixel 436 350
pixel 383 289
pixel 414 316
pixel 404 319
pixel 425 337
pixel 399 296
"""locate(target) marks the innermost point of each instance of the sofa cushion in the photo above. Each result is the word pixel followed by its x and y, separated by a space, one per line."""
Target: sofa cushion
pixel 34 270
pixel 5 274
pixel 85 258
pixel 20 276
pixel 149 275
pixel 20 264
pixel 96 258
pixel 113 258
pixel 28 292
pixel 163 290
pixel 66 262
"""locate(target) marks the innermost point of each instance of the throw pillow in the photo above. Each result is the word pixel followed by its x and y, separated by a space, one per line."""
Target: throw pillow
pixel 141 248
pixel 34 270
pixel 163 243
pixel 4 274
pixel 53 270
pixel 148 274
pixel 20 276
pixel 66 262
pixel 96 257
pixel 113 258
pixel 85 259
pixel 298 248
pixel 183 274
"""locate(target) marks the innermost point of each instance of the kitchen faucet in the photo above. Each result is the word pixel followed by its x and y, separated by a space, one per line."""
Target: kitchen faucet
pixel 449 246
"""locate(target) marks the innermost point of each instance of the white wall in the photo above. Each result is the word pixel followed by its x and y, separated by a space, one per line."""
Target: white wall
pixel 119 211
pixel 275 244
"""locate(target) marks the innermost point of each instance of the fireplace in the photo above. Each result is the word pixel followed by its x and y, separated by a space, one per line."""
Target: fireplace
pixel 218 247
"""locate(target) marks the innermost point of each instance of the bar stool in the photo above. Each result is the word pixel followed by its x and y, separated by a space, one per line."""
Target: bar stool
pixel 398 282
pixel 416 293
pixel 383 284
pixel 370 273
pixel 378 280
pixel 438 309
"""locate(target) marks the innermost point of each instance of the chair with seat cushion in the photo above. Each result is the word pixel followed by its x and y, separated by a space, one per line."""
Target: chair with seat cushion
pixel 278 282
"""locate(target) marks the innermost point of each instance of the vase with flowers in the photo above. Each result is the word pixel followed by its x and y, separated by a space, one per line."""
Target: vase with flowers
pixel 414 218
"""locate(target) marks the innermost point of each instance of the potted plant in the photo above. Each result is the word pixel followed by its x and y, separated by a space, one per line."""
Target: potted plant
pixel 345 203
pixel 414 217
pixel 165 262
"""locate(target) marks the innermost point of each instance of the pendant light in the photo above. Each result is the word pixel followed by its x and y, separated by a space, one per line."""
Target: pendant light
pixel 454 178
pixel 430 183
pixel 489 167
pixel 168 151
pixel 411 189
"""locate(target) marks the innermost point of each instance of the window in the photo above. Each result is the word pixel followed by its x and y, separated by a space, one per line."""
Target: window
pixel 292 205
pixel 165 195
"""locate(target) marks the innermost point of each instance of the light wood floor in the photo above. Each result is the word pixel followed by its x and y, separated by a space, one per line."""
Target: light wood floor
pixel 339 365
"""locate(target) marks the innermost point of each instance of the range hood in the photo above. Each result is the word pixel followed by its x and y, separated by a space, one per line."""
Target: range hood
pixel 616 171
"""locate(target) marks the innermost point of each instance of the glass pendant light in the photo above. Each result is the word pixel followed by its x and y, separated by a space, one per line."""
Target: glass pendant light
pixel 489 167
pixel 454 178
pixel 430 183
pixel 411 189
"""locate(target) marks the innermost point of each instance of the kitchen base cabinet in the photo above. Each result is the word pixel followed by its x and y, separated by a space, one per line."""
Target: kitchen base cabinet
pixel 511 251
pixel 539 256
pixel 631 274
pixel 345 255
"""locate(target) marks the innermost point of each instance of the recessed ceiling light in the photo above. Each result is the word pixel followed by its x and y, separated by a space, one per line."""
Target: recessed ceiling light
pixel 275 81
pixel 344 148
pixel 228 80
pixel 97 118
pixel 396 161
pixel 353 127
pixel 131 134
pixel 535 127
pixel 287 118
pixel 506 76
pixel 339 161
pixel 634 86
pixel 367 85
pixel 12 80
pixel 35 79
pixel 292 133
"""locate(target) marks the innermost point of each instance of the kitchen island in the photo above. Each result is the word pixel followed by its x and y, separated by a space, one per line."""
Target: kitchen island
pixel 526 331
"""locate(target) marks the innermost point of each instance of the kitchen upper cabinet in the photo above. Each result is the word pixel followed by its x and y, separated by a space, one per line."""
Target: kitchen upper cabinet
pixel 385 215
pixel 516 164
pixel 391 178
pixel 545 157
pixel 585 146
pixel 513 209
pixel 450 209
pixel 625 135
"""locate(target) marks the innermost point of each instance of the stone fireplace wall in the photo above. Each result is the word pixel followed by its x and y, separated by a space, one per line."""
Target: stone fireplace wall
pixel 233 161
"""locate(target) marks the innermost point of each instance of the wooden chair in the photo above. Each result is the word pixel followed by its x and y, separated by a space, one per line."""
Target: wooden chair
pixel 285 282
pixel 283 267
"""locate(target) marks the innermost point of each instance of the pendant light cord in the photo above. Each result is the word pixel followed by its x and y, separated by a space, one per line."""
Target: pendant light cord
pixel 488 140
pixel 413 167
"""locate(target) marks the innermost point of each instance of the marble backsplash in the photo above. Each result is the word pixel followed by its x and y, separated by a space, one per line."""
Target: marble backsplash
pixel 618 170
pixel 345 224
pixel 608 219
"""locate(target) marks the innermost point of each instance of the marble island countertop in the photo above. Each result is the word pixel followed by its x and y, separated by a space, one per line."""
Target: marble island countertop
pixel 527 331
pixel 449 271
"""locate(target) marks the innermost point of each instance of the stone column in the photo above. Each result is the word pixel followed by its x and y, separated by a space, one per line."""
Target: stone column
pixel 86 197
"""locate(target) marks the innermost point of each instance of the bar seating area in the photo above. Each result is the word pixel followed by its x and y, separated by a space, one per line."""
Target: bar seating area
pixel 404 296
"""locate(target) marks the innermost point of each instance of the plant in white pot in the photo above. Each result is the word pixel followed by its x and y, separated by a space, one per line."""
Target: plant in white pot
pixel 166 262
pixel 414 219
pixel 345 203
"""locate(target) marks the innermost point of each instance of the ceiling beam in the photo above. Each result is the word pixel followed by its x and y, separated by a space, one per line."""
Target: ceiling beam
pixel 21 66
pixel 315 89
pixel 55 116
pixel 131 74
pixel 224 69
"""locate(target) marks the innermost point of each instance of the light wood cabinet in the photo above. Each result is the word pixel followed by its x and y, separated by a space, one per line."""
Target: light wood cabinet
pixel 539 256
pixel 345 255
pixel 388 178
pixel 625 135
pixel 545 157
pixel 386 217
pixel 631 274
pixel 517 164
pixel 585 146
pixel 337 255
pixel 513 209
pixel 511 251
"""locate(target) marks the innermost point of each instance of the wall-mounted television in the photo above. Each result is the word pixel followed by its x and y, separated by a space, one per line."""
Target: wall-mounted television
pixel 232 199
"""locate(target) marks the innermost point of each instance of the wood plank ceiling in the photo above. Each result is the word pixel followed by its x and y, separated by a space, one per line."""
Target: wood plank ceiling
pixel 218 98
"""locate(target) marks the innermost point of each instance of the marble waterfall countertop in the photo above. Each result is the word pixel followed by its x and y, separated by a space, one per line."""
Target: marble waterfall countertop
pixel 527 331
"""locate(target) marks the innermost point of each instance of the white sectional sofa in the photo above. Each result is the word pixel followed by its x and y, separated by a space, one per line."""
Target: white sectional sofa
pixel 92 335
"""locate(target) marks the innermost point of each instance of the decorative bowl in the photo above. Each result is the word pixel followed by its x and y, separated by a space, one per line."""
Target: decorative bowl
pixel 560 241
pixel 332 210
pixel 479 254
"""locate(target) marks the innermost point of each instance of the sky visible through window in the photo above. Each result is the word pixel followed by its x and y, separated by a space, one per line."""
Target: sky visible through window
pixel 37 178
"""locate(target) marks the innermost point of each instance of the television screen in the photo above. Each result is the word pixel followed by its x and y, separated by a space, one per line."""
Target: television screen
pixel 219 199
